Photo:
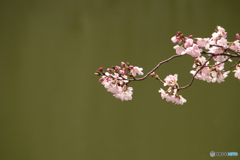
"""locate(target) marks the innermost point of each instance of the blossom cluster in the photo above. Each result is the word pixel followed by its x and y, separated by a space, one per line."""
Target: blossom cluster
pixel 116 79
pixel 208 73
pixel 171 93
pixel 217 45
pixel 116 82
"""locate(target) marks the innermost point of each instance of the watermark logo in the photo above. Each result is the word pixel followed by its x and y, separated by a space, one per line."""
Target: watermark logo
pixel 212 153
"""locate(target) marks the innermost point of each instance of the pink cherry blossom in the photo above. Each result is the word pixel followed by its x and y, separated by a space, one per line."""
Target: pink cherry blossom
pixel 216 50
pixel 194 51
pixel 171 80
pixel 125 95
pixel 222 42
pixel 237 73
pixel 180 100
pixel 115 89
pixel 177 99
pixel 179 50
pixel 219 76
pixel 206 74
pixel 216 36
pixel 136 70
pixel 188 43
pixel 235 45
pixel 174 39
pixel 203 74
pixel 220 66
pixel 222 32
pixel 220 58
pixel 202 42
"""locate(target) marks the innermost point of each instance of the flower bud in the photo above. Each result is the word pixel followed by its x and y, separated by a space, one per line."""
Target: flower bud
pixel 110 70
pixel 123 64
pixel 130 67
pixel 121 72
pixel 100 69
pixel 117 68
pixel 190 36
pixel 97 74
pixel 152 74
pixel 178 32
pixel 238 37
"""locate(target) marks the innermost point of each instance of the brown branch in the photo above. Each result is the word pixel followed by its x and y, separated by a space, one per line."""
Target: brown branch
pixel 220 54
pixel 226 49
pixel 232 66
pixel 167 60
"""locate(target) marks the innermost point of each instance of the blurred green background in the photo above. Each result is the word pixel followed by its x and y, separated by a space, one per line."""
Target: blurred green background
pixel 52 107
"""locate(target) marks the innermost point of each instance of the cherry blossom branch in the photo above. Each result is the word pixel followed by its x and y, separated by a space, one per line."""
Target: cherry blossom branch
pixel 167 60
pixel 220 54
pixel 226 49
pixel 116 80
pixel 211 66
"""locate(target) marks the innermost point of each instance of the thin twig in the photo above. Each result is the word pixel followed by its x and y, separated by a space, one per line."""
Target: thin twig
pixel 139 79
pixel 232 66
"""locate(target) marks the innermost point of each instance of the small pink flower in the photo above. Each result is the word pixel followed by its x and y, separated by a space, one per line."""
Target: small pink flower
pixel 179 50
pixel 216 36
pixel 125 95
pixel 174 39
pixel 222 42
pixel 117 68
pixel 202 42
pixel 177 99
pixel 194 51
pixel 171 80
pixel 219 58
pixel 188 43
pixel 123 64
pixel 222 32
pixel 235 45
pixel 237 73
pixel 216 50
pixel 219 76
pixel 237 36
pixel 136 70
